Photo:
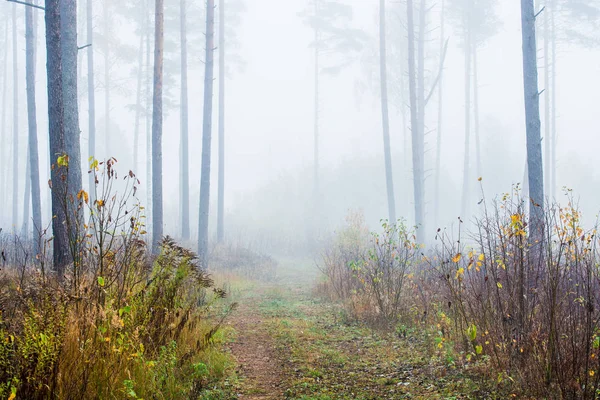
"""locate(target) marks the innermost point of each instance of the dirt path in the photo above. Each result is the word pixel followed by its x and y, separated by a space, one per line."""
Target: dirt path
pixel 260 367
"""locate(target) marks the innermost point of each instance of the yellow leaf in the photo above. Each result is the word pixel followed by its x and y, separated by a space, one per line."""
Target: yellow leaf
pixel 83 193
pixel 456 258
pixel 460 272
pixel 499 285
pixel 480 179
pixel 12 396
pixel 63 161
pixel 481 257
pixel 592 373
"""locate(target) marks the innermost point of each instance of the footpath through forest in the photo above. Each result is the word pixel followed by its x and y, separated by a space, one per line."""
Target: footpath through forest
pixel 288 344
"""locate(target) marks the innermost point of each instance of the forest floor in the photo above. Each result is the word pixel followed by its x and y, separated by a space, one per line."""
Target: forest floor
pixel 288 344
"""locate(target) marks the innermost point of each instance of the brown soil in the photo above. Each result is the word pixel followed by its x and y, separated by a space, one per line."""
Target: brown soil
pixel 260 367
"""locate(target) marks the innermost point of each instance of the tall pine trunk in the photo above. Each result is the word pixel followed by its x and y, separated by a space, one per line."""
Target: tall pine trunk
pixel 532 117
pixel 157 122
pixel 221 192
pixel 206 135
pixel 26 197
pixel 476 111
pixel 547 117
pixel 465 209
pixel 317 84
pixel 184 145
pixel 56 134
pixel 30 63
pixel 148 91
pixel 91 97
pixel 4 165
pixel 385 115
pixel 419 154
pixel 552 189
pixel 412 87
pixel 68 27
pixel 438 153
pixel 107 135
pixel 138 97
pixel 15 166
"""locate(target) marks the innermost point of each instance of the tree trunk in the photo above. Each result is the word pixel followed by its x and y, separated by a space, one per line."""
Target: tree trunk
pixel 36 204
pixel 184 145
pixel 532 116
pixel 414 105
pixel 547 124
pixel 221 194
pixel 206 135
pixel 316 104
pixel 15 166
pixel 4 165
pixel 138 97
pixel 419 154
pixel 552 189
pixel 56 134
pixel 91 98
pixel 149 207
pixel 467 164
pixel 107 139
pixel 385 114
pixel 157 121
pixel 68 20
pixel 26 198
pixel 438 155
pixel 476 111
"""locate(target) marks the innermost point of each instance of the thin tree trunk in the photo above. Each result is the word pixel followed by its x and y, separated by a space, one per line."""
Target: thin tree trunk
pixel 467 165
pixel 414 105
pixel 26 197
pixel 149 208
pixel 56 134
pixel 476 110
pixel 157 122
pixel 532 116
pixel 206 135
pixel 91 98
pixel 438 155
pixel 316 103
pixel 15 163
pixel 552 189
pixel 138 97
pixel 184 146
pixel 547 117
pixel 68 20
pixel 107 139
pixel 30 61
pixel 385 114
pixel 4 152
pixel 419 156
pixel 221 200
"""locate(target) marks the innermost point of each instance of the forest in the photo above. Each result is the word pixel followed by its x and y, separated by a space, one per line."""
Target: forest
pixel 299 199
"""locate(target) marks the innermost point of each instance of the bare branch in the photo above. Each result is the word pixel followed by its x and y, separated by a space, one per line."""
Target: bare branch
pixel 437 79
pixel 539 12
pixel 27 4
pixel 83 47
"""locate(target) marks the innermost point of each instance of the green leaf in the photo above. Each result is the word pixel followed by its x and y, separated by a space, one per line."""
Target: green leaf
pixel 124 310
pixel 101 281
pixel 472 332
pixel 63 161
pixel 478 349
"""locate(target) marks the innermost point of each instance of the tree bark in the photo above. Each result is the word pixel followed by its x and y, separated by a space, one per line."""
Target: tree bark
pixel 91 98
pixel 149 202
pixel 419 154
pixel 107 138
pixel 68 27
pixel 317 83
pixel 221 191
pixel 138 97
pixel 26 198
pixel 385 114
pixel 157 126
pixel 552 189
pixel 532 117
pixel 56 134
pixel 438 155
pixel 184 145
pixel 15 166
pixel 547 118
pixel 4 166
pixel 36 204
pixel 414 104
pixel 206 135
pixel 476 110
pixel 467 164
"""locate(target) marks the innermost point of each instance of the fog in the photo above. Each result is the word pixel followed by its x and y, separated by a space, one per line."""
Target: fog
pixel 269 161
